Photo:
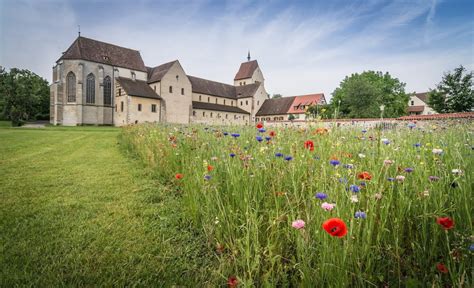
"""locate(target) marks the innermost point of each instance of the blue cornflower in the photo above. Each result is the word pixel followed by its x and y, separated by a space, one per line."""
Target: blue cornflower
pixel 348 166
pixel 232 155
pixel 288 158
pixel 385 141
pixel 235 135
pixel 278 154
pixel 471 247
pixel 321 196
pixel 226 133
pixel 259 138
pixel 411 125
pixel 354 188
pixel 262 130
pixel 334 162
pixel 409 170
pixel 207 177
pixel 364 131
pixel 417 145
pixel 362 183
pixel 268 138
pixel 343 180
pixel 360 214
pixel 391 179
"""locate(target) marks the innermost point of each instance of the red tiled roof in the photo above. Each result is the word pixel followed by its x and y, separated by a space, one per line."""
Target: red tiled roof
pixel 438 116
pixel 306 100
pixel 416 108
pixel 101 52
pixel 246 70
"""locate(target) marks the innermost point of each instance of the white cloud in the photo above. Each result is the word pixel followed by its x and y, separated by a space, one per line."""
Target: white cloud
pixel 298 55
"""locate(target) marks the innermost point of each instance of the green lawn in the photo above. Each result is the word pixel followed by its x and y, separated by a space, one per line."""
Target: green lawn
pixel 75 210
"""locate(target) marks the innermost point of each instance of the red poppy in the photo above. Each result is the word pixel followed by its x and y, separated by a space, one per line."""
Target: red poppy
pixel 179 176
pixel 272 134
pixel 210 168
pixel 308 144
pixel 232 281
pixel 446 222
pixel 442 268
pixel 335 227
pixel 364 175
pixel 259 125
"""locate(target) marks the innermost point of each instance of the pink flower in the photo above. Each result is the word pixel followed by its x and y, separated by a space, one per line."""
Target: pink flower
pixel 327 206
pixel 387 162
pixel 298 224
pixel 400 178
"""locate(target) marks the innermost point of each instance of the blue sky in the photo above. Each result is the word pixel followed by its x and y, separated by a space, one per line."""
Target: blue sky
pixel 302 46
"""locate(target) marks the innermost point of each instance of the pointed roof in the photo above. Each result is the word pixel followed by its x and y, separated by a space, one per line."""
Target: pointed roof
pixel 246 90
pixel 96 51
pixel 306 100
pixel 137 88
pixel 278 106
pixel 155 74
pixel 246 70
pixel 422 96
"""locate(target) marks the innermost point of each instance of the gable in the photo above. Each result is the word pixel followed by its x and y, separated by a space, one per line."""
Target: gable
pixel 246 70
pixel 275 106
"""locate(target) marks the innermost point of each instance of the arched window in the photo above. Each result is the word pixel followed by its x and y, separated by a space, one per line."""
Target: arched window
pixel 71 87
pixel 90 89
pixel 107 91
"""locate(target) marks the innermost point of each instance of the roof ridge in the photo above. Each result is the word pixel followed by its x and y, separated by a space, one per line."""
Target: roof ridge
pixel 108 43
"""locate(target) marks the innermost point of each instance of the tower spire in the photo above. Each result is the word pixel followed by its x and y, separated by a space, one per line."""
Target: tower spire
pixel 79 30
pixel 248 56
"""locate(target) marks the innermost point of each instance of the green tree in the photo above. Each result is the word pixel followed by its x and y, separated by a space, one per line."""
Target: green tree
pixel 320 111
pixel 454 93
pixel 23 96
pixel 360 96
pixel 291 117
pixel 275 96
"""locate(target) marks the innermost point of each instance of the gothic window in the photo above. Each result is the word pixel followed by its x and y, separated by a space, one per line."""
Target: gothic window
pixel 107 91
pixel 171 89
pixel 71 87
pixel 90 92
pixel 182 91
pixel 216 100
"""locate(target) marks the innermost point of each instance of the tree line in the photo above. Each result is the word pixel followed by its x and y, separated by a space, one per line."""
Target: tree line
pixel 372 94
pixel 24 96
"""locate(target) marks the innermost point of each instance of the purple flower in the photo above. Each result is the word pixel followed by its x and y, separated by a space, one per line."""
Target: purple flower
pixel 232 155
pixel 288 158
pixel 391 179
pixel 360 214
pixel 411 125
pixel 343 180
pixel 354 188
pixel 362 183
pixel 226 133
pixel 334 162
pixel 321 196
pixel 259 138
pixel 268 138
pixel 471 247
pixel 207 177
pixel 262 130
pixel 278 154
pixel 433 178
pixel 364 131
pixel 235 135
pixel 409 170
pixel 348 166
pixel 417 145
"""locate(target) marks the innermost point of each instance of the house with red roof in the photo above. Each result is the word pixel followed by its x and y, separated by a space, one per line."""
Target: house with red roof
pixel 280 109
pixel 418 105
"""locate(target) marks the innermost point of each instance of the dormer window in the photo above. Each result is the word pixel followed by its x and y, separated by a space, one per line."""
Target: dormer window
pixel 133 76
pixel 105 57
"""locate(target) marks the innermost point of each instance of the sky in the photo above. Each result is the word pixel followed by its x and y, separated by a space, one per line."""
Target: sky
pixel 302 47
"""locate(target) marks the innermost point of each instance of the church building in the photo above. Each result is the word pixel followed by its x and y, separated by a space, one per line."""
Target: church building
pixel 103 84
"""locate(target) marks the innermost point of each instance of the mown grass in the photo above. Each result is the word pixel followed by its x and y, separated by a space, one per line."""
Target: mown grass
pixel 75 210
pixel 247 200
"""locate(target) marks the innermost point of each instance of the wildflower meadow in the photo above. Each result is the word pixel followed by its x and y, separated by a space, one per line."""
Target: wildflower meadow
pixel 319 207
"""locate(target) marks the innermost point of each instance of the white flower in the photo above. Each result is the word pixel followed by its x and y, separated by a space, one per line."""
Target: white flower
pixel 457 171
pixel 361 155
pixel 437 151
pixel 354 199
